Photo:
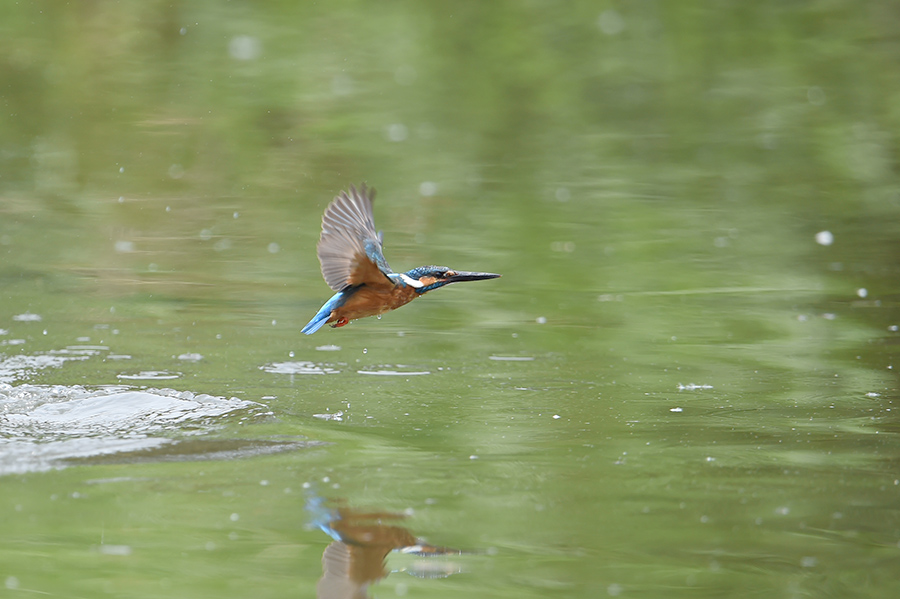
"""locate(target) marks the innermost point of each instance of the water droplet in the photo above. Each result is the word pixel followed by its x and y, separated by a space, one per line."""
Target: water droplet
pixel 815 95
pixel 397 132
pixel 342 85
pixel 428 188
pixel 290 354
pixel 365 350
pixel 824 238
pixel 405 74
pixel 244 47
pixel 611 22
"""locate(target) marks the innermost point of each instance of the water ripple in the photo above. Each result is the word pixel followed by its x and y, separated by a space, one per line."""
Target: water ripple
pixel 386 372
pixel 150 375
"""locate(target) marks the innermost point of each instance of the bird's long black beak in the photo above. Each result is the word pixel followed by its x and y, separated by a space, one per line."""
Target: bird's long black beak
pixel 471 276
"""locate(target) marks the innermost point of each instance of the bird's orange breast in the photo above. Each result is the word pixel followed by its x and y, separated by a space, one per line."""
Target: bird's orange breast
pixel 370 301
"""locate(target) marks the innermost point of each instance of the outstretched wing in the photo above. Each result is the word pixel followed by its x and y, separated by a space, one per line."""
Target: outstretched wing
pixel 349 249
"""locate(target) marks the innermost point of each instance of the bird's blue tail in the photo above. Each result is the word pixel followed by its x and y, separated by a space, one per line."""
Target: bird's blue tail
pixel 316 323
pixel 324 313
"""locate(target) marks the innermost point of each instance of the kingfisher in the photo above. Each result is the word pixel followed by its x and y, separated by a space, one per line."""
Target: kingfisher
pixel 353 264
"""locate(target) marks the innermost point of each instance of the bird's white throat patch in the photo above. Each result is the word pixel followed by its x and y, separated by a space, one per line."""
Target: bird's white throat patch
pixel 410 281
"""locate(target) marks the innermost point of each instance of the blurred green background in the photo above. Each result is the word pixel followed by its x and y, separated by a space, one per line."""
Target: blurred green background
pixel 683 384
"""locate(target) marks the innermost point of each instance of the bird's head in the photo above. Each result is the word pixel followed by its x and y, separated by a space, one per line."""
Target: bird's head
pixel 426 278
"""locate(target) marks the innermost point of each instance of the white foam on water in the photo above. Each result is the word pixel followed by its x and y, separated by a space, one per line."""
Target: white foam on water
pixel 45 424
pixel 297 368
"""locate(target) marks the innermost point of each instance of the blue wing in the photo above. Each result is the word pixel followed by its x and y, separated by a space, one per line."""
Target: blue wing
pixel 350 251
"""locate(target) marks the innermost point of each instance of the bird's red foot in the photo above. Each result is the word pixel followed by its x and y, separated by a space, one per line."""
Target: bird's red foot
pixel 339 323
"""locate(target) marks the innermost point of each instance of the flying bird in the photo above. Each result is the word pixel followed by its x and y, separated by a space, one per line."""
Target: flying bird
pixel 350 252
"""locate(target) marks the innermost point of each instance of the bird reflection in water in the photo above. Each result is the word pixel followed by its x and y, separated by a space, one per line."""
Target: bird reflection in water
pixel 362 542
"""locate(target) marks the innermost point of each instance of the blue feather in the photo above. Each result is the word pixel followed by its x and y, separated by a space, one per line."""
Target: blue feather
pixel 373 252
pixel 337 300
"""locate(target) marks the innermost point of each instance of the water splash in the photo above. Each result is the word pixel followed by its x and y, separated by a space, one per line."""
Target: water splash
pixel 301 367
pixel 27 317
pixel 46 424
pixel 14 368
pixel 693 387
pixel 336 416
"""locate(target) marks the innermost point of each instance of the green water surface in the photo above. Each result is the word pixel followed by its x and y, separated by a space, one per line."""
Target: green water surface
pixel 682 386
